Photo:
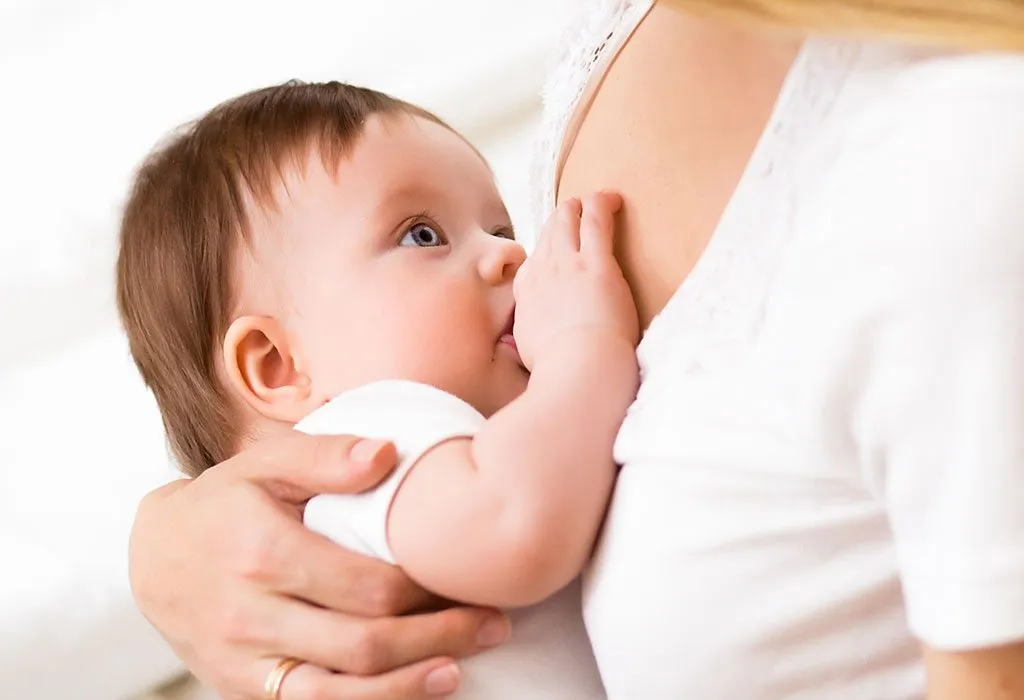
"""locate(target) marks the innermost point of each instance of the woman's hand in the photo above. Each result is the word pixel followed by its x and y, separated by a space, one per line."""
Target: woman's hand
pixel 223 567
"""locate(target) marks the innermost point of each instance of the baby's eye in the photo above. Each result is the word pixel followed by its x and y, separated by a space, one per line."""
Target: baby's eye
pixel 505 232
pixel 423 236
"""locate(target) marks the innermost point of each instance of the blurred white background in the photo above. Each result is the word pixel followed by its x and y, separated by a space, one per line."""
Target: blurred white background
pixel 88 86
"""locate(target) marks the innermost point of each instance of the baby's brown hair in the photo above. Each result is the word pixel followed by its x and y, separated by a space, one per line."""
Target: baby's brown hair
pixel 186 217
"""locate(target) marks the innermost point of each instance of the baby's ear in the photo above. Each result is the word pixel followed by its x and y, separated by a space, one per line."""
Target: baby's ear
pixel 260 367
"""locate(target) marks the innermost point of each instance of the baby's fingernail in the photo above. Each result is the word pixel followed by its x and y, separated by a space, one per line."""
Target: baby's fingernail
pixel 367 450
pixel 443 680
pixel 493 632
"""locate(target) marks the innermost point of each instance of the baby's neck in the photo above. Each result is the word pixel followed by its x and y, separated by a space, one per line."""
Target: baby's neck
pixel 260 429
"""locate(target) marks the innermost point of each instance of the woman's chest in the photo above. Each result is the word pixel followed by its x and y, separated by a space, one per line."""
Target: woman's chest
pixel 735 585
pixel 742 556
pixel 747 551
pixel 676 160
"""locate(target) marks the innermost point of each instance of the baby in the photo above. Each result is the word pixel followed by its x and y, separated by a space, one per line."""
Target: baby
pixel 328 258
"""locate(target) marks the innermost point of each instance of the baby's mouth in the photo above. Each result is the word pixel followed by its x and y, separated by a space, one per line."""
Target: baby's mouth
pixel 507 339
pixel 506 336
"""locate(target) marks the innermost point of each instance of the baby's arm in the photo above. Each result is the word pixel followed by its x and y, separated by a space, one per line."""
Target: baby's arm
pixel 510 516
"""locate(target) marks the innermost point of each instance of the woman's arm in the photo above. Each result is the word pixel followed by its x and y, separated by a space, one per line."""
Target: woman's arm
pixel 991 674
pixel 223 567
pixel 917 232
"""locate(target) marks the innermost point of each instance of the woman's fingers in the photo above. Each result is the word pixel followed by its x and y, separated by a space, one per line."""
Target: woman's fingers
pixel 221 565
pixel 455 632
pixel 305 565
pixel 598 224
pixel 427 680
pixel 297 466
pixel 368 647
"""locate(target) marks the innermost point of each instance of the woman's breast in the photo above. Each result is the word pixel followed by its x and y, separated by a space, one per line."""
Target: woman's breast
pixel 734 563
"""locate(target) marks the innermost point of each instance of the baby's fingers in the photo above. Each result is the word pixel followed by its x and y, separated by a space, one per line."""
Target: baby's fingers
pixel 563 234
pixel 597 226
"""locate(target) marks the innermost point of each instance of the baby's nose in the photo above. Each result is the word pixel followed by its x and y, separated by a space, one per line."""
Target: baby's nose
pixel 501 262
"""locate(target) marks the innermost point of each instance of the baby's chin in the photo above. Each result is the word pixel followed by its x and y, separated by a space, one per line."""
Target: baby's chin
pixel 507 383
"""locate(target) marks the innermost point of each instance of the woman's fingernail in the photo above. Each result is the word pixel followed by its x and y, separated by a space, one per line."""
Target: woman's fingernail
pixel 366 450
pixel 493 632
pixel 443 680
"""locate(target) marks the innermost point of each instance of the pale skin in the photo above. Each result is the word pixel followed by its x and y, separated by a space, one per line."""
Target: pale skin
pixel 265 569
pixel 401 265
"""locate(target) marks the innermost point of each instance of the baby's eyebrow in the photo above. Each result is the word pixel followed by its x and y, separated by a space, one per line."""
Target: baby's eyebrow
pixel 398 196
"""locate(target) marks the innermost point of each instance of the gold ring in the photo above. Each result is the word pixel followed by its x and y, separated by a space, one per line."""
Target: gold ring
pixel 272 688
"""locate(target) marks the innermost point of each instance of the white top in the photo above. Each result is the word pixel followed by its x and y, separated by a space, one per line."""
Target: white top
pixel 417 418
pixel 548 657
pixel 826 457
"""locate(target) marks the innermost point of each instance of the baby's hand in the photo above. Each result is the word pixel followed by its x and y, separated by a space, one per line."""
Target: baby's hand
pixel 571 288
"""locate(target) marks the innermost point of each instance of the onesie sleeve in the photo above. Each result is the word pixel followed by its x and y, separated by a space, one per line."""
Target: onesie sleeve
pixel 925 214
pixel 415 417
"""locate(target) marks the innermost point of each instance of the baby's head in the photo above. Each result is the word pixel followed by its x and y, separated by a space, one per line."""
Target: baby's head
pixel 304 239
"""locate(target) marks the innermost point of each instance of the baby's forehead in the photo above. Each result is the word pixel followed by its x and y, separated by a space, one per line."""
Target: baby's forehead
pixel 398 163
pixel 405 143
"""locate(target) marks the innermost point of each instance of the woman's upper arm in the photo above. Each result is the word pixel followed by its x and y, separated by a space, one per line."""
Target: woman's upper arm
pixel 990 674
pixel 921 222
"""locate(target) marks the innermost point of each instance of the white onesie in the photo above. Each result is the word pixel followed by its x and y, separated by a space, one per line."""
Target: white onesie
pixel 548 657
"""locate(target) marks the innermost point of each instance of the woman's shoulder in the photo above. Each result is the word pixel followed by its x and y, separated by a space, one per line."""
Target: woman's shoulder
pixel 943 102
pixel 924 143
pixel 923 73
pixel 915 185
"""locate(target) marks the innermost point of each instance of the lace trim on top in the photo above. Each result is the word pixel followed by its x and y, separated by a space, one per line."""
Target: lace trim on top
pixel 721 299
pixel 596 34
